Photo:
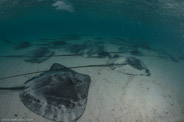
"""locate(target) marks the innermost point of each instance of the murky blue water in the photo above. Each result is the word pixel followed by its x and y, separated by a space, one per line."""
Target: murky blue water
pixel 160 22
pixel 156 27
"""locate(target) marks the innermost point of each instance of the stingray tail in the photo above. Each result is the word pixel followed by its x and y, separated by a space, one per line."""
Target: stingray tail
pixel 7 41
pixel 12 88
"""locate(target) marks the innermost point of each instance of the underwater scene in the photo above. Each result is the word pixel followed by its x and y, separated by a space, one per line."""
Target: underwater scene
pixel 91 61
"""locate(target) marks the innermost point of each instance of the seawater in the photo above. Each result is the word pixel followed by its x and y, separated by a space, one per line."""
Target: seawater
pixel 158 23
pixel 153 21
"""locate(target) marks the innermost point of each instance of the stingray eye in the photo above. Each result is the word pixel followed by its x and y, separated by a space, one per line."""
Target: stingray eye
pixel 83 96
pixel 76 81
pixel 36 100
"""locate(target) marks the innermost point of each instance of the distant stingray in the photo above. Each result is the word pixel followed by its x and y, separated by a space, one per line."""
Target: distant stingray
pixel 94 43
pixel 136 52
pixel 119 41
pixel 124 49
pixel 132 50
pixel 143 46
pixel 73 48
pixel 57 44
pixel 20 45
pixel 131 66
pixel 39 55
pixel 88 49
pixel 169 56
pixel 92 50
pixel 59 94
pixel 7 41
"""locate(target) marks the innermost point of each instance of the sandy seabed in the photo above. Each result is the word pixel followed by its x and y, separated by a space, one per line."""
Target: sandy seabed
pixel 112 97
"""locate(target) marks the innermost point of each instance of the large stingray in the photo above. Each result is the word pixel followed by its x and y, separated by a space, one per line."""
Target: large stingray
pixel 59 94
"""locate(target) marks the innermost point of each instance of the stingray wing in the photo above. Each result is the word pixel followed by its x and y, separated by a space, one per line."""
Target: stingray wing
pixel 59 95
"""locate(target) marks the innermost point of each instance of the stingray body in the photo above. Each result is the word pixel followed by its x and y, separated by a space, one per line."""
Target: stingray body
pixel 39 55
pixel 88 49
pixel 143 46
pixel 73 48
pixel 58 44
pixel 22 45
pixel 59 94
pixel 136 52
pixel 132 50
pixel 130 65
pixel 92 50
pixel 125 49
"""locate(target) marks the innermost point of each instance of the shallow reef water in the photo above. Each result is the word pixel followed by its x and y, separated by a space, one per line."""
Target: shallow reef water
pixel 92 60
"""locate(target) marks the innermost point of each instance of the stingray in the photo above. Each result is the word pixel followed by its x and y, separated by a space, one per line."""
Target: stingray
pixel 18 45
pixel 6 41
pixel 59 94
pixel 119 41
pixel 130 65
pixel 21 45
pixel 39 55
pixel 143 46
pixel 58 44
pixel 73 48
pixel 136 52
pixel 132 50
pixel 89 49
pixel 124 49
pixel 94 43
pixel 92 50
pixel 168 56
